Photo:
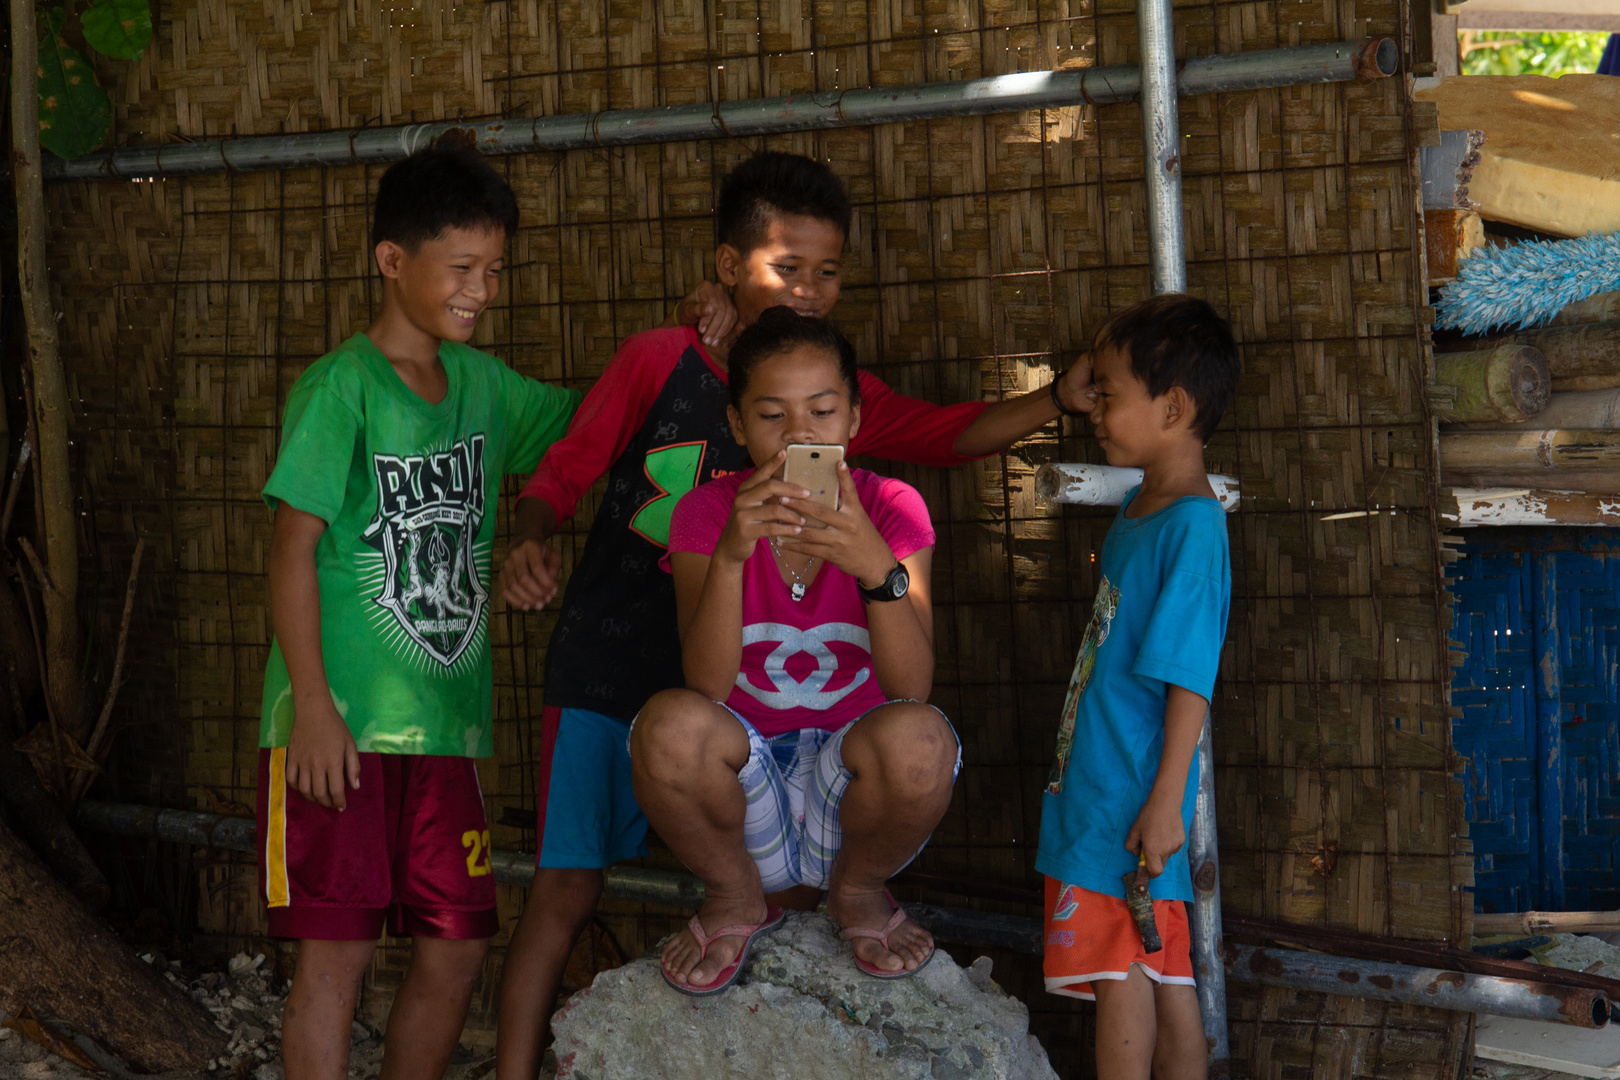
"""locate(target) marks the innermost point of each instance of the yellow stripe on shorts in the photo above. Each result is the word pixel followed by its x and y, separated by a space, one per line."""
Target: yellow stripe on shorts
pixel 275 845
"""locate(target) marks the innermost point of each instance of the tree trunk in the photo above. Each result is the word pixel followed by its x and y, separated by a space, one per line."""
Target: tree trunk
pixel 1508 382
pixel 59 530
pixel 62 961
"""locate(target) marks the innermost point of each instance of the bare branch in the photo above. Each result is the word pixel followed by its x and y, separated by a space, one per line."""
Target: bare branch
pixel 39 567
pixel 14 488
pixel 44 677
pixel 82 782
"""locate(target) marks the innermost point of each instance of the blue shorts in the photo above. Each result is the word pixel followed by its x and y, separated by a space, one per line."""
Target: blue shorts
pixel 588 817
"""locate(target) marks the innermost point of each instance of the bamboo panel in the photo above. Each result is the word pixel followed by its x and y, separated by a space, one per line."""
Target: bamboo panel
pixel 984 253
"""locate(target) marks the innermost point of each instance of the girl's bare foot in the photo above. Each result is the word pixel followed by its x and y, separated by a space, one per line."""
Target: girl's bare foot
pixel 683 957
pixel 909 945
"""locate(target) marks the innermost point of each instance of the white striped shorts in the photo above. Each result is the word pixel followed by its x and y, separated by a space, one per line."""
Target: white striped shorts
pixel 793 784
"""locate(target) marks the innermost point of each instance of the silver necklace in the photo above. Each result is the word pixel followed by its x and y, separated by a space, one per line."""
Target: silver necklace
pixel 798 587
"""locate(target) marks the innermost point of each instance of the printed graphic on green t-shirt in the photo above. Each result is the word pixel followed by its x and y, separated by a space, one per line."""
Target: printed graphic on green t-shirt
pixel 430 510
pixel 407 489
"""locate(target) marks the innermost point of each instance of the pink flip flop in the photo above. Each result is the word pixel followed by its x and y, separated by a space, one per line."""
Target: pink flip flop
pixel 729 973
pixel 882 937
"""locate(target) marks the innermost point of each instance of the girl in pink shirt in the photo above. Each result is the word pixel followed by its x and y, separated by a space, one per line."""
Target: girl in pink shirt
pixel 802 755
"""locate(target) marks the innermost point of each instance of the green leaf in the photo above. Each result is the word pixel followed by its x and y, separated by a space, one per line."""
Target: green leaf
pixel 119 28
pixel 74 111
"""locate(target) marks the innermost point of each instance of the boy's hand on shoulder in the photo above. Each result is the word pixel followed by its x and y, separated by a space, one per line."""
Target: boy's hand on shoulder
pixel 759 511
pixel 1075 389
pixel 1158 833
pixel 850 541
pixel 322 760
pixel 528 578
pixel 709 308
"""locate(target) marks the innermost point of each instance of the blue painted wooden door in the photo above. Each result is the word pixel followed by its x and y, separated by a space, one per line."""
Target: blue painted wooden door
pixel 1539 736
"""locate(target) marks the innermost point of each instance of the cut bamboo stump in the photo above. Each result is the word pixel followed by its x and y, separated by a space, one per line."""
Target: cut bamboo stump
pixel 1540 922
pixel 1506 382
pixel 1545 451
pixel 1581 357
pixel 1571 409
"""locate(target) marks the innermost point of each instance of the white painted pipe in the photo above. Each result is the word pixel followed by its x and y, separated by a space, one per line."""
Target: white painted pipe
pixel 1500 506
pixel 1107 485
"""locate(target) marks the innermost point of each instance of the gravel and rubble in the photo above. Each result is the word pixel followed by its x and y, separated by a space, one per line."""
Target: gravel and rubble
pixel 246 1000
pixel 1573 952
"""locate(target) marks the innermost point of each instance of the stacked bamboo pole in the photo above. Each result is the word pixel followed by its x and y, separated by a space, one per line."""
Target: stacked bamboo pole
pixel 1530 423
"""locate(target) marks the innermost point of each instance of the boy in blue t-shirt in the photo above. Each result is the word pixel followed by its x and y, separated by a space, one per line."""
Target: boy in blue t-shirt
pixel 1121 791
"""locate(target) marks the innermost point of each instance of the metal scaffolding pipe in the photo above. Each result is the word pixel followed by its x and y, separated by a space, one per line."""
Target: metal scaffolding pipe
pixel 1435 988
pixel 1107 485
pixel 1338 62
pixel 1161 146
pixel 1203 858
pixel 639 884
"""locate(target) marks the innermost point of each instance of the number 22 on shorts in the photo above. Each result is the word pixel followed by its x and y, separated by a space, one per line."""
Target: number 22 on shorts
pixel 477 845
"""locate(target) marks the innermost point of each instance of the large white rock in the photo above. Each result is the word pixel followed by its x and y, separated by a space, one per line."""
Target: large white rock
pixel 802 1008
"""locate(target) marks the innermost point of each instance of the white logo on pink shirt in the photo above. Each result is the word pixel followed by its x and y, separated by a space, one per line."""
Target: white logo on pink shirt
pixel 812 692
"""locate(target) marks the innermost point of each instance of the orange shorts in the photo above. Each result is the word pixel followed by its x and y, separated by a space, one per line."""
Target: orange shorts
pixel 1091 936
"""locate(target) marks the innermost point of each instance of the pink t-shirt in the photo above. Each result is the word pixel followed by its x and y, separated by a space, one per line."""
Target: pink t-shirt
pixel 806 663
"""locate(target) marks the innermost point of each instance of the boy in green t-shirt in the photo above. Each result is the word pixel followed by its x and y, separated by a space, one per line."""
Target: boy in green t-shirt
pixel 378 693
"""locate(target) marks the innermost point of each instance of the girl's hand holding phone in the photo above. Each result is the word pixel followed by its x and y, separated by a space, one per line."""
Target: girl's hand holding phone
pixel 850 541
pixel 760 511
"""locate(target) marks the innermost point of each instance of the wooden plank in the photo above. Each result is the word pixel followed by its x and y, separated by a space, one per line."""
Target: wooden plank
pixel 1550 161
pixel 1450 236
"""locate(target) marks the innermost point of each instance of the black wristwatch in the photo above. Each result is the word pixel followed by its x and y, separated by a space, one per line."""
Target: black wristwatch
pixel 892 587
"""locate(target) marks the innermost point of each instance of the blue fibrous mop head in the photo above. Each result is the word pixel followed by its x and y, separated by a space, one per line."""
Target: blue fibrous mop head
pixel 1527 284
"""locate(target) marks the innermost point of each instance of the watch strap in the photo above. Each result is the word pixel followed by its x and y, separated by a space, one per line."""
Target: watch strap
pixel 886 589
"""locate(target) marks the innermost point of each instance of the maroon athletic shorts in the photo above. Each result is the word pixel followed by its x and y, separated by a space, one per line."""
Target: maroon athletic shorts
pixel 411 851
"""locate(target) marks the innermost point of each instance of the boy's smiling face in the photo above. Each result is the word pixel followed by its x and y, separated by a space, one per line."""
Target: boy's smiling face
pixel 447 282
pixel 796 265
pixel 1133 427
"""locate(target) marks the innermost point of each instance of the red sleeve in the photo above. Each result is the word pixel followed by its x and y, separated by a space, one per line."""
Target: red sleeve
pixel 901 428
pixel 609 417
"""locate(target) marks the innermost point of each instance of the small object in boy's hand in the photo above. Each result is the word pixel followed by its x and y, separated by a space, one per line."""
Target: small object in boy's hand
pixel 1140 903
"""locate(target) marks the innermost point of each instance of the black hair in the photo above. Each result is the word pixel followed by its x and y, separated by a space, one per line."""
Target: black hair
pixel 1178 340
pixel 447 185
pixel 772 185
pixel 779 329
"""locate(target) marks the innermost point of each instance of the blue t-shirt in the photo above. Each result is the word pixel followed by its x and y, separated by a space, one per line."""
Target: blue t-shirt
pixel 1159 619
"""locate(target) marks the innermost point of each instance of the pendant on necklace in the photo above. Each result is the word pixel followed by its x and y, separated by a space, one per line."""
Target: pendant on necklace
pixel 798 591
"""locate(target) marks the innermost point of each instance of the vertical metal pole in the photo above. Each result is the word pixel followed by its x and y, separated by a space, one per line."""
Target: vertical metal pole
pixel 1161 146
pixel 1549 736
pixel 1167 256
pixel 1209 966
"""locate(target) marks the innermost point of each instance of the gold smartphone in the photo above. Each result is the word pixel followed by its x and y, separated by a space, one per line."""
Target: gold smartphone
pixel 814 466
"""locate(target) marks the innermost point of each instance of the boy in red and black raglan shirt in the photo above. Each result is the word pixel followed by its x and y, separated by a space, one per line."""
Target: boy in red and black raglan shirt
pixel 656 423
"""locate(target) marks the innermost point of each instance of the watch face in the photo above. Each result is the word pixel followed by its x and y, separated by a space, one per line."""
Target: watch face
pixel 899 581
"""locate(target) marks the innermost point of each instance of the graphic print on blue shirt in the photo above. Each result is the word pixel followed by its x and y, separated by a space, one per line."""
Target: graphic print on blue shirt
pixel 615 644
pixel 1102 617
pixel 1167 577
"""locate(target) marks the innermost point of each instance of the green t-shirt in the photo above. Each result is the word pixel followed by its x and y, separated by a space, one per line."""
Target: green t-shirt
pixel 408 493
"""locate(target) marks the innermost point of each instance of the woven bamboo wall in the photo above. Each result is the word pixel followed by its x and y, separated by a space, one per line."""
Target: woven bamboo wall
pixel 984 251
